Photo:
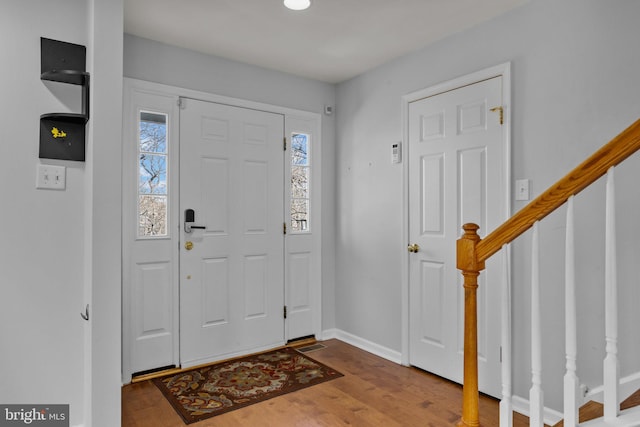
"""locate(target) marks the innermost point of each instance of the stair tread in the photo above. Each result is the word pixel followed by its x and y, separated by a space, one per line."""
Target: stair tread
pixel 631 401
pixel 589 411
pixel 592 410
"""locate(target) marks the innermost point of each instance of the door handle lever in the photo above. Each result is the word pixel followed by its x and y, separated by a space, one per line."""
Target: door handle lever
pixel 188 228
pixel 189 219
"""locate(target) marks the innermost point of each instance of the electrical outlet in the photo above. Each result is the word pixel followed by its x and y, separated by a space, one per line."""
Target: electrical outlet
pixel 51 177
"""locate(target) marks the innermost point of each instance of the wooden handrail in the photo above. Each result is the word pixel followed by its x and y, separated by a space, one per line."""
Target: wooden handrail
pixel 472 252
pixel 589 171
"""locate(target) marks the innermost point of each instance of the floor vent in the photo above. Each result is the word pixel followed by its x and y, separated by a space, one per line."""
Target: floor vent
pixel 309 348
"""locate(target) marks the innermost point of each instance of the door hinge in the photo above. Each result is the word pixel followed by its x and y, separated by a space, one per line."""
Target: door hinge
pixel 284 140
pixel 284 228
pixel 500 110
pixel 284 312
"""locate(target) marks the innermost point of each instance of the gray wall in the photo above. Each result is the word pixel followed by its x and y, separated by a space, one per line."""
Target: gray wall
pixel 156 62
pixel 41 250
pixel 575 85
pixel 60 249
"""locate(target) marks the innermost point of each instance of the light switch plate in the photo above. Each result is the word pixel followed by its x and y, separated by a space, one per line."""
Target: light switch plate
pixel 51 177
pixel 522 189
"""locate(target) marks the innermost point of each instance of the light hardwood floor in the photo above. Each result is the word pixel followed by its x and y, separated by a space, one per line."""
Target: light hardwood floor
pixel 373 392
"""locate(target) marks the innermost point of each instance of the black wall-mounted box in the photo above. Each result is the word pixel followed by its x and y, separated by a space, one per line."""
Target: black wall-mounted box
pixel 62 135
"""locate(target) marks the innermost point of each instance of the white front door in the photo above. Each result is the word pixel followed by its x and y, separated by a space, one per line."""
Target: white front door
pixel 456 175
pixel 231 270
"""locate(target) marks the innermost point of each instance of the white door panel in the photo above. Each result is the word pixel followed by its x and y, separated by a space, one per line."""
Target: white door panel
pixel 302 244
pixel 153 317
pixel 232 280
pixel 299 295
pixel 150 322
pixel 456 175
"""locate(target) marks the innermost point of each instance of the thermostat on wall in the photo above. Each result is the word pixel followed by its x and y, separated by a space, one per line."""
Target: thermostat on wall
pixel 396 152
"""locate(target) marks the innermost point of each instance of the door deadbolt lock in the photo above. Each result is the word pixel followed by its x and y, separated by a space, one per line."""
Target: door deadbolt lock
pixel 413 248
pixel 189 219
pixel 188 245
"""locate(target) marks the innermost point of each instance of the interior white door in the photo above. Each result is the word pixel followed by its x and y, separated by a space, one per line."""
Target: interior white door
pixel 456 175
pixel 231 270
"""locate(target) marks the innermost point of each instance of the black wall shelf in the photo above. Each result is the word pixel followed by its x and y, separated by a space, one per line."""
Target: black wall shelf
pixel 62 135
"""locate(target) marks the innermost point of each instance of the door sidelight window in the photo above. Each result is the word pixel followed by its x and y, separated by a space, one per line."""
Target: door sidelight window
pixel 300 174
pixel 152 174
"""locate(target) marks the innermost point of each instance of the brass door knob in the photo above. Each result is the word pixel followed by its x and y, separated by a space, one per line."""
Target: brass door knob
pixel 188 245
pixel 413 248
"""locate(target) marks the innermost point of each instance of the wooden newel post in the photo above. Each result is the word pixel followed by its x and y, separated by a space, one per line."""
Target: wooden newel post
pixel 467 261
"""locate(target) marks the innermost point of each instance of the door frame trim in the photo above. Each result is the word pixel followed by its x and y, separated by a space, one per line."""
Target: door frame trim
pixel 131 84
pixel 501 70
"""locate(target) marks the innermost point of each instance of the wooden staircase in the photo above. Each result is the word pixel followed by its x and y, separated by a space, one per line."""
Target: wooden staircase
pixel 472 253
pixel 595 410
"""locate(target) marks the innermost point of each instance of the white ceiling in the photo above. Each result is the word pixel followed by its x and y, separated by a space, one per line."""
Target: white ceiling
pixel 331 41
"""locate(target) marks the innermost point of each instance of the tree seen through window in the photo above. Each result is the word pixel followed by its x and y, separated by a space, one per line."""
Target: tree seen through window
pixel 300 170
pixel 152 175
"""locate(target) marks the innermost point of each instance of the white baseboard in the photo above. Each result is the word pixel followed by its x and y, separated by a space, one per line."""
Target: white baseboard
pixel 521 405
pixel 363 344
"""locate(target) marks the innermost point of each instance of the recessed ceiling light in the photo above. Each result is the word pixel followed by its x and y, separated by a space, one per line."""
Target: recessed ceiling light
pixel 297 4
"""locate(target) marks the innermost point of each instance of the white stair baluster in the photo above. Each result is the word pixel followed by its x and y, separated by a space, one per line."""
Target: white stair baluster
pixel 611 364
pixel 506 405
pixel 571 383
pixel 536 397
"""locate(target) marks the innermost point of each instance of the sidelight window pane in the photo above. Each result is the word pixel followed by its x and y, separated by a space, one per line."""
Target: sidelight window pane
pixel 153 132
pixel 300 182
pixel 299 214
pixel 299 149
pixel 300 176
pixel 153 188
pixel 153 215
pixel 153 174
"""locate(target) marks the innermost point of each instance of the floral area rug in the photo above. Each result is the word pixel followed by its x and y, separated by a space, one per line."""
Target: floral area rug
pixel 212 390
